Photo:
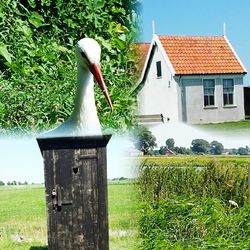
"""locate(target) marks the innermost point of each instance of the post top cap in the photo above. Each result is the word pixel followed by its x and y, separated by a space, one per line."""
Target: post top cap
pixel 77 142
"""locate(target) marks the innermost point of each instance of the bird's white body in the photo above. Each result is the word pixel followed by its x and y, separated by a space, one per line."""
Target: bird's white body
pixel 84 120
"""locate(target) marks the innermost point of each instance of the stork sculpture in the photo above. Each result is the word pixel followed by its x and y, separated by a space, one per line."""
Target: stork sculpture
pixel 84 119
pixel 75 164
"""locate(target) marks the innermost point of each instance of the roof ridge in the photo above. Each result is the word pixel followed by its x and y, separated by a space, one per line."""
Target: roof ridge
pixel 192 36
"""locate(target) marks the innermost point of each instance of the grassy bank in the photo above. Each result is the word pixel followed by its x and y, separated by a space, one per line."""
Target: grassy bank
pixel 23 217
pixel 234 129
pixel 194 160
pixel 194 203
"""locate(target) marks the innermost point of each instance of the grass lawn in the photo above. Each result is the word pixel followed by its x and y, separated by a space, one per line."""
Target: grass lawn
pixel 23 217
pixel 241 128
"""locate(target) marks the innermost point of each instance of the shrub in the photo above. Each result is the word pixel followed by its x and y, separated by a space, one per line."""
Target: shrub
pixel 194 207
pixel 37 59
pixel 215 180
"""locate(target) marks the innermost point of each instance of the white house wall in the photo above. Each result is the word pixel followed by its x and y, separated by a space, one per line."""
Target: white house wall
pixel 159 95
pixel 193 109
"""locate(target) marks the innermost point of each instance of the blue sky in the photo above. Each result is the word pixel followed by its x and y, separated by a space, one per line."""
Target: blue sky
pixel 201 17
pixel 21 159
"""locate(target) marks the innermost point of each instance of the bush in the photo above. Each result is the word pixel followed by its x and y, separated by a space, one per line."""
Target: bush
pixel 37 59
pixel 187 207
pixel 216 180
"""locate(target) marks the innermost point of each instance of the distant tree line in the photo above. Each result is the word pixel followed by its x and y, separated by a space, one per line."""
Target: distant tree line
pixel 14 183
pixel 146 142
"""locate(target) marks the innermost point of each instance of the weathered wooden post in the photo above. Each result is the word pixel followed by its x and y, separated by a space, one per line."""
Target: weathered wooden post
pixel 76 192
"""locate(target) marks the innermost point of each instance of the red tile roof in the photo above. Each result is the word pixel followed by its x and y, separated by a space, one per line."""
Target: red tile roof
pixel 201 55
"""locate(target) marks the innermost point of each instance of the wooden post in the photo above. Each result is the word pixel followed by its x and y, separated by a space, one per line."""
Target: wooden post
pixel 76 192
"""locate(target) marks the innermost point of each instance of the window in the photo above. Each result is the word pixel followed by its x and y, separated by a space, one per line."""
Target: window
pixel 158 69
pixel 208 85
pixel 228 91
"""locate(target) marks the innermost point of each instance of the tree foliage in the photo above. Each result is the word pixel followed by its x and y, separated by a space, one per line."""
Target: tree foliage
pixel 200 146
pixel 216 148
pixel 37 59
pixel 145 141
pixel 163 150
pixel 170 143
pixel 2 183
pixel 243 151
pixel 182 150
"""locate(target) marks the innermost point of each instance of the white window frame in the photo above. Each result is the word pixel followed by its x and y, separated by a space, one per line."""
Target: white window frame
pixel 207 88
pixel 228 92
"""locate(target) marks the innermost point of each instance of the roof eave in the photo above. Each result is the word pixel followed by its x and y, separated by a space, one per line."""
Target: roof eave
pixel 199 74
pixel 235 54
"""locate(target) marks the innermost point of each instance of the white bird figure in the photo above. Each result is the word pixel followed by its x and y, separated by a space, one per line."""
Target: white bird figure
pixel 84 119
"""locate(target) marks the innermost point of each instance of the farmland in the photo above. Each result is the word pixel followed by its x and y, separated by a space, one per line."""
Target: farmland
pixel 180 202
pixel 192 161
pixel 23 217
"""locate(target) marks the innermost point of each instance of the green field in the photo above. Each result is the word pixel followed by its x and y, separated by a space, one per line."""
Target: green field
pixel 23 217
pixel 174 206
pixel 234 129
pixel 194 160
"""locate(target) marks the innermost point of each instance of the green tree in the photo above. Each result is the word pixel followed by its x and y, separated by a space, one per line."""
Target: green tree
pixel 234 151
pixel 200 146
pixel 216 148
pixel 2 183
pixel 243 151
pixel 182 150
pixel 145 141
pixel 14 183
pixel 163 150
pixel 170 143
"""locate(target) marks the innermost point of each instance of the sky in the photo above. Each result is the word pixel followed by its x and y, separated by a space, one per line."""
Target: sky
pixel 198 18
pixel 20 158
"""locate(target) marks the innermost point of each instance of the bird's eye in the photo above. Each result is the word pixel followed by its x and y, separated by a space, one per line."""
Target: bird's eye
pixel 83 55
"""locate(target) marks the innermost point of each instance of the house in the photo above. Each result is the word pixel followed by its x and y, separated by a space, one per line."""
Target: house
pixel 168 152
pixel 192 79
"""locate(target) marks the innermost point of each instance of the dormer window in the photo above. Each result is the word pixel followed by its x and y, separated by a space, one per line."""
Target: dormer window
pixel 158 69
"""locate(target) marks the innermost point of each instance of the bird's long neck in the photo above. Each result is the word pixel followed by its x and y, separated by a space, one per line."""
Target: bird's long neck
pixel 85 113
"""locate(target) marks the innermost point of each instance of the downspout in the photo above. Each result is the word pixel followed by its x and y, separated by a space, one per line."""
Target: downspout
pixel 180 103
pixel 183 112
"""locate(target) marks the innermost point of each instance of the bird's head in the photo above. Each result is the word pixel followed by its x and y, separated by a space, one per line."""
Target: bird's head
pixel 88 53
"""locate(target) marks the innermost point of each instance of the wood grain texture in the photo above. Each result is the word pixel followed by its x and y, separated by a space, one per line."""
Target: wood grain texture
pixel 76 196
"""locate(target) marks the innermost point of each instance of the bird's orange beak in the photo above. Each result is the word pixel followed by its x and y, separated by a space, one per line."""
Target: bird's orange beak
pixel 96 71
